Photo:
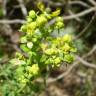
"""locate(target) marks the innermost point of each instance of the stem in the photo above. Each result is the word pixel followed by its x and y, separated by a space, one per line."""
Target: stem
pixel 45 83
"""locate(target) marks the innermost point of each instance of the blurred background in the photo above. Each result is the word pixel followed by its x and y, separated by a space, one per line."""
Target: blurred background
pixel 77 79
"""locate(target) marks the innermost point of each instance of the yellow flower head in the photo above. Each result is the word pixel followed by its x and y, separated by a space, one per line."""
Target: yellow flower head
pixel 32 14
pixel 34 69
pixel 57 60
pixel 59 25
pixel 41 20
pixel 59 19
pixel 67 38
pixel 44 46
pixel 66 47
pixel 31 27
pixel 50 51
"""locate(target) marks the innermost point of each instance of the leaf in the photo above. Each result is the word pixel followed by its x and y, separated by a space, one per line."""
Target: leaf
pixel 41 6
pixel 55 13
pixel 24 48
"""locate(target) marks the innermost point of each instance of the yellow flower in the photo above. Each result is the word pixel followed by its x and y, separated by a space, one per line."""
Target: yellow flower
pixel 67 38
pixel 31 27
pixel 32 14
pixel 59 19
pixel 57 60
pixel 24 81
pixel 41 20
pixel 66 47
pixel 34 69
pixel 59 24
pixel 50 51
pixel 23 39
pixel 44 46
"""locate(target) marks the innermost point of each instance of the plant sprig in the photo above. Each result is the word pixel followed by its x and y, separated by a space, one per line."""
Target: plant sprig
pixel 42 48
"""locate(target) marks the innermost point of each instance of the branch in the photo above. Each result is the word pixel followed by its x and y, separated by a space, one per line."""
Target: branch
pixel 86 63
pixel 23 8
pixel 4 7
pixel 92 2
pixel 83 13
pixel 74 16
pixel 4 21
pixel 79 3
pixel 71 13
pixel 58 4
pixel 86 28
pixel 50 80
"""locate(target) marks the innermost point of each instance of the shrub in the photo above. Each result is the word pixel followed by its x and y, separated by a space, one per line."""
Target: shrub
pixel 41 47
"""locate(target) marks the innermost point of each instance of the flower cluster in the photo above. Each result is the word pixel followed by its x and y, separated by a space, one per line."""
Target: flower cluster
pixel 42 49
pixel 60 50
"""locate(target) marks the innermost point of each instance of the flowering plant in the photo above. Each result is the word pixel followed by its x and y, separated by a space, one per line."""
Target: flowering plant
pixel 43 49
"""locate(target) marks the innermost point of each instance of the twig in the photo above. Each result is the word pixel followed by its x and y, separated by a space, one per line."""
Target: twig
pixel 90 52
pixel 86 28
pixel 77 15
pixel 4 21
pixel 87 11
pixel 23 8
pixel 58 4
pixel 71 13
pixel 80 14
pixel 92 2
pixel 86 63
pixel 50 80
pixel 4 7
pixel 79 3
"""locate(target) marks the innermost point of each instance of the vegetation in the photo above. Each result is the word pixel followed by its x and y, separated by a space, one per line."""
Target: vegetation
pixel 49 51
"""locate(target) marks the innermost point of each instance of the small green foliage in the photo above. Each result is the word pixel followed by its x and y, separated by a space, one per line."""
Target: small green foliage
pixel 42 49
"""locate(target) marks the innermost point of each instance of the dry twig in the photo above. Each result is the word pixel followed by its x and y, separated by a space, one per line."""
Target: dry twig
pixel 86 28
pixel 23 8
pixel 4 21
pixel 92 2
pixel 80 14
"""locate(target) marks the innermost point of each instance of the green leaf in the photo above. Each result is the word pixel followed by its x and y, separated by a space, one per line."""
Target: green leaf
pixel 24 48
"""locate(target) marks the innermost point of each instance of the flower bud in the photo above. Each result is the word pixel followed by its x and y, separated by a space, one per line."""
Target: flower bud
pixel 66 47
pixel 34 69
pixel 23 39
pixel 50 51
pixel 59 25
pixel 29 45
pixel 57 60
pixel 41 20
pixel 59 19
pixel 32 14
pixel 34 39
pixel 31 27
pixel 67 38
pixel 68 58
